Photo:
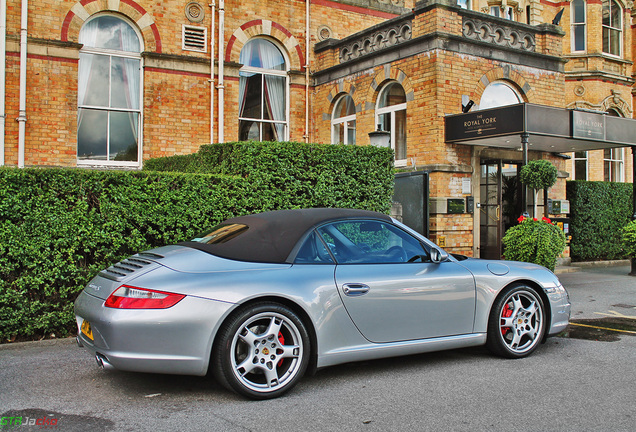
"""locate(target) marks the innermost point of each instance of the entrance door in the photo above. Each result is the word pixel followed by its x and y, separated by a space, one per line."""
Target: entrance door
pixel 500 205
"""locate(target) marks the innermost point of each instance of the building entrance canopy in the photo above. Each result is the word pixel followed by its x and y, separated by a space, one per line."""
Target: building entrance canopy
pixel 548 129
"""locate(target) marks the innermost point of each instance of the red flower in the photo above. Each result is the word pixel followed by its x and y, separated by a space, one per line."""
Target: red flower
pixel 521 218
pixel 546 220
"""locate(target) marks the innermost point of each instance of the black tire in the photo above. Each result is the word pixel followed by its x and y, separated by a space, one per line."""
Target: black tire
pixel 261 351
pixel 517 322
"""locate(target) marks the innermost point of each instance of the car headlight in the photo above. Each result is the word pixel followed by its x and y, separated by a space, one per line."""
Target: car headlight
pixel 554 288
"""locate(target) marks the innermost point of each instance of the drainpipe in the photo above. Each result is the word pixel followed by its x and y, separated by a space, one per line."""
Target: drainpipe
pixel 3 74
pixel 221 71
pixel 212 30
pixel 23 69
pixel 307 71
pixel 633 260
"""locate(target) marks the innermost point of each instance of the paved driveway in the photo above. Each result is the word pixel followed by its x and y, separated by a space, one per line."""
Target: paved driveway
pixel 567 385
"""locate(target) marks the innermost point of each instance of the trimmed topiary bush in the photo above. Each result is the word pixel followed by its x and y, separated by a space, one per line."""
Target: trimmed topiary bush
pixel 538 174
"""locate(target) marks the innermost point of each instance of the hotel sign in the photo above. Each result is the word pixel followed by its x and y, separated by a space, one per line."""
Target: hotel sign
pixel 487 123
pixel 588 125
pixel 549 129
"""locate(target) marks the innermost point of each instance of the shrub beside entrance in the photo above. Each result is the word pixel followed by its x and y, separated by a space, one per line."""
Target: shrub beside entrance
pixel 535 241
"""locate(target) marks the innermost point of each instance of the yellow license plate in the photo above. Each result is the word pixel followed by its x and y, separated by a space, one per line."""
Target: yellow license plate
pixel 86 329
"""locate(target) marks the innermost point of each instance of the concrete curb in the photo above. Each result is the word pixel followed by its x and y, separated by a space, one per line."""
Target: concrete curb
pixel 572 267
pixel 610 263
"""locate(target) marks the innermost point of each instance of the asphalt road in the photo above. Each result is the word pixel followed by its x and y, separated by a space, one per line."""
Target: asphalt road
pixel 567 385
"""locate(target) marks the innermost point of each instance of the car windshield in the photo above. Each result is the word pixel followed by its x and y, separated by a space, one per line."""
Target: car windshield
pixel 221 233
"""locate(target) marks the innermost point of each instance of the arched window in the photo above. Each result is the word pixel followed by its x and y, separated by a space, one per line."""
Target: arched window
pixel 109 93
pixel 391 117
pixel 498 94
pixel 612 27
pixel 263 85
pixel 578 13
pixel 343 121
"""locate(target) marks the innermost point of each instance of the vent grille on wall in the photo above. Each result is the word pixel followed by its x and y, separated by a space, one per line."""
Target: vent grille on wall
pixel 194 38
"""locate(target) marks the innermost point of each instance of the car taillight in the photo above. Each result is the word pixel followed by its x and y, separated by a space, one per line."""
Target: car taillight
pixel 127 297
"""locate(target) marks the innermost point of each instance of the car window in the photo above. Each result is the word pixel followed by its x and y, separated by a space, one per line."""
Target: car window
pixel 313 251
pixel 221 233
pixel 371 242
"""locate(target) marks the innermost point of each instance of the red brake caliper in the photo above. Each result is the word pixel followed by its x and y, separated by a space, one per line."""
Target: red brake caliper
pixel 281 339
pixel 506 313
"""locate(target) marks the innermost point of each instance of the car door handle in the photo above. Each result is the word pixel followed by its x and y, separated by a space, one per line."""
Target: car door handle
pixel 355 289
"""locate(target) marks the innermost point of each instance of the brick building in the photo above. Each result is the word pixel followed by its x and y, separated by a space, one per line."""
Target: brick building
pixel 110 83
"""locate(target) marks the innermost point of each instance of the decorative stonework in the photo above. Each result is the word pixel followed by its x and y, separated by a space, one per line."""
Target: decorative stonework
pixel 399 3
pixel 84 9
pixel 498 34
pixel 579 90
pixel 324 32
pixel 614 101
pixel 386 37
pixel 388 73
pixel 272 29
pixel 194 12
pixel 511 76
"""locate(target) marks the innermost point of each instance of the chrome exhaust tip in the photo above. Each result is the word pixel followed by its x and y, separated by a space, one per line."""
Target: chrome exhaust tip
pixel 102 362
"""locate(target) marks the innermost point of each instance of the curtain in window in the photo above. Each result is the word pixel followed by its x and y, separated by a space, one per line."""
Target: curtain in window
pixel 88 37
pixel 262 54
pixel 108 90
pixel 131 82
pixel 245 57
pixel 274 86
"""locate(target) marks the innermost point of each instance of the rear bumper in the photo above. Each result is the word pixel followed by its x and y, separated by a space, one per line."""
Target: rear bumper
pixel 177 340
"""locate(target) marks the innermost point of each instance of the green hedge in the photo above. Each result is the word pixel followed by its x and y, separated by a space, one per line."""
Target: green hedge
pixel 296 174
pixel 59 227
pixel 598 212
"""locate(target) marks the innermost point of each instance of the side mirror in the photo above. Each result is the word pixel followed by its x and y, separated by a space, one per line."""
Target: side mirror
pixel 438 255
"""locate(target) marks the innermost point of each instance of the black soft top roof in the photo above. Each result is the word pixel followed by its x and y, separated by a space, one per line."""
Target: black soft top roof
pixel 272 235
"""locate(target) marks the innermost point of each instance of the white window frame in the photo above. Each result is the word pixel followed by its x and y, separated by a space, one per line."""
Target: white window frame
pixel 619 29
pixel 344 122
pixel 391 109
pixel 574 25
pixel 509 13
pixel 281 73
pixel 587 165
pixel 617 156
pixel 140 111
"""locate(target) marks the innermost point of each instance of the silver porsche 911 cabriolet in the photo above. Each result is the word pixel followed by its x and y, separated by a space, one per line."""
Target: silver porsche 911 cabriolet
pixel 261 299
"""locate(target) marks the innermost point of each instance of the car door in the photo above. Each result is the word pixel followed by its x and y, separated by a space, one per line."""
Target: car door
pixel 389 298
